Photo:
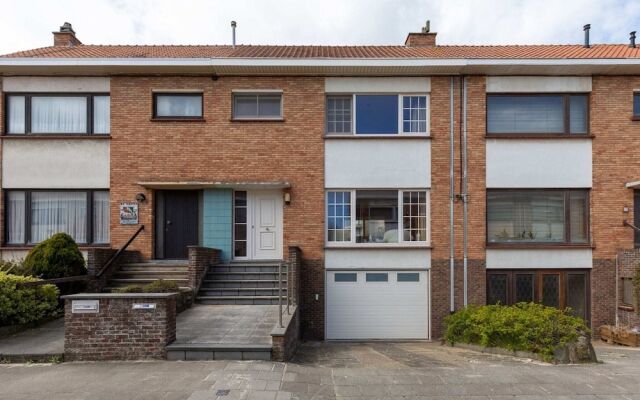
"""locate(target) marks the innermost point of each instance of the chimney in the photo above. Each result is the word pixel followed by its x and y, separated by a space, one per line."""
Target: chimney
pixel 586 28
pixel 425 38
pixel 66 36
pixel 632 39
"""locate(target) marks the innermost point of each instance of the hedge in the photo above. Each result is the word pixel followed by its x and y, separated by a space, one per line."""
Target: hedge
pixel 522 327
pixel 56 257
pixel 20 306
pixel 159 286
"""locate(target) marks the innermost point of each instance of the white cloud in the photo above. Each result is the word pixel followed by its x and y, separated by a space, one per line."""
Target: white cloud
pixel 28 24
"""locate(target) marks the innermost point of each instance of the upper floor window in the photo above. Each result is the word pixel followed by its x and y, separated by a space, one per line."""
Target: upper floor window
pixel 375 114
pixel 538 114
pixel 538 216
pixel 636 105
pixel 177 105
pixel 48 114
pixel 257 106
pixel 377 216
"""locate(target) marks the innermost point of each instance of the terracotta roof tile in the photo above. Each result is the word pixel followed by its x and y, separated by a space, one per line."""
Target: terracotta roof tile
pixel 599 51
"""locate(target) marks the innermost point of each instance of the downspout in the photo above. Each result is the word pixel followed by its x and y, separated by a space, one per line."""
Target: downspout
pixel 452 197
pixel 617 291
pixel 465 211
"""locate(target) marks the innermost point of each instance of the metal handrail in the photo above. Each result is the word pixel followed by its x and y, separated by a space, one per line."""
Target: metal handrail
pixel 67 279
pixel 119 252
pixel 630 225
pixel 280 295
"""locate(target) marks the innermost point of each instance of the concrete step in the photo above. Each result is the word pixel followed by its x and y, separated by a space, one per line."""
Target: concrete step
pixel 246 268
pixel 239 300
pixel 241 283
pixel 154 267
pixel 152 272
pixel 240 292
pixel 217 351
pixel 142 281
pixel 243 276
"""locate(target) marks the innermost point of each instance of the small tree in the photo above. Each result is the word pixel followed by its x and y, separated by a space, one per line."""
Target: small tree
pixel 56 257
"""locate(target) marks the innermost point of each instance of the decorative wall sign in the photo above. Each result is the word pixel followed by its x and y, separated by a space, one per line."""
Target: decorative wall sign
pixel 144 306
pixel 128 213
pixel 85 306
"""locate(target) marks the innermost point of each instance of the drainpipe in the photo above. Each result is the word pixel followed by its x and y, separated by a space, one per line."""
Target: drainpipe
pixel 465 211
pixel 452 197
pixel 617 290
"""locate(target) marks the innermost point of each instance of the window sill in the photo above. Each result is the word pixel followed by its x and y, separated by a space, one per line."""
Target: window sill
pixel 624 307
pixel 635 118
pixel 57 136
pixel 538 136
pixel 546 246
pixel 257 120
pixel 378 246
pixel 348 136
pixel 172 119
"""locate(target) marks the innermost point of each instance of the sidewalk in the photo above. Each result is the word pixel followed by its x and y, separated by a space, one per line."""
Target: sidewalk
pixel 43 344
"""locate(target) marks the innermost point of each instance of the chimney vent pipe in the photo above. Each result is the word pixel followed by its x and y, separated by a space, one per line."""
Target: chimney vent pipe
pixel 586 28
pixel 632 39
pixel 233 34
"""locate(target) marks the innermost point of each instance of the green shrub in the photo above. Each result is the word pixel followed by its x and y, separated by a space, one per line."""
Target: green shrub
pixel 14 267
pixel 161 286
pixel 521 327
pixel 24 305
pixel 56 257
pixel 129 289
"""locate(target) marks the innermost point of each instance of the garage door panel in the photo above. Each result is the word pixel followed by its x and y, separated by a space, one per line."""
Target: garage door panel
pixel 377 310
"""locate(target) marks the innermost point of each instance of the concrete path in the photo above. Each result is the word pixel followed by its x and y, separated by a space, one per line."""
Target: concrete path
pixel 324 371
pixel 227 324
pixel 40 343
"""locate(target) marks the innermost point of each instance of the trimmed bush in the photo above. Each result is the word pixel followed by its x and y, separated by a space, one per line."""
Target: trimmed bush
pixel 129 289
pixel 522 327
pixel 159 286
pixel 14 267
pixel 25 305
pixel 56 257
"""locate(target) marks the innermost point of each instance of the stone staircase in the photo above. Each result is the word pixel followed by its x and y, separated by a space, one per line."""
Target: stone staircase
pixel 247 282
pixel 142 273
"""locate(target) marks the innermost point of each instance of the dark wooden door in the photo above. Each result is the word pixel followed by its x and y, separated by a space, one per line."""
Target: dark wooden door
pixel 180 222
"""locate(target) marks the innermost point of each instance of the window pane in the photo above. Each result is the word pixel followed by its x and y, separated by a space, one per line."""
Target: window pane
pixel 346 277
pixel 577 294
pixel 245 106
pixel 414 216
pixel 59 114
pixel 497 289
pixel 339 114
pixel 101 217
pixel 627 291
pixel 16 117
pixel 408 277
pixel 551 290
pixel 520 216
pixel 376 216
pixel 524 288
pixel 377 277
pixel 414 111
pixel 525 114
pixel 578 112
pixel 339 216
pixel 578 216
pixel 101 114
pixel 240 223
pixel 15 217
pixel 53 212
pixel 269 106
pixel 636 104
pixel 376 114
pixel 179 105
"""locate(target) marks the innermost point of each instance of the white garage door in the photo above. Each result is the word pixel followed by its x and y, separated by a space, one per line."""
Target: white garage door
pixel 377 305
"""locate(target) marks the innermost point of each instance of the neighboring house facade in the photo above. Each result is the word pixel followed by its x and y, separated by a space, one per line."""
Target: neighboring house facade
pixel 393 168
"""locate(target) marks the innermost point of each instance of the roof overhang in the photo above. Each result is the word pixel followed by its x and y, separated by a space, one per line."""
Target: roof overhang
pixel 184 185
pixel 632 185
pixel 317 66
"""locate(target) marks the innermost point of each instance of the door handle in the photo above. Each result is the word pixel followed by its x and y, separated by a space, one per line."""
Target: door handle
pixel 168 222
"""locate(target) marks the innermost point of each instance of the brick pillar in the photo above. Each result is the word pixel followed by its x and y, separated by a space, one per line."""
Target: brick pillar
pixel 200 259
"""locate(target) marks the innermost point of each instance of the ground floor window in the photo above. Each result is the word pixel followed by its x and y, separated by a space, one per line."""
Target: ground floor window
pixel 553 288
pixel 34 215
pixel 240 223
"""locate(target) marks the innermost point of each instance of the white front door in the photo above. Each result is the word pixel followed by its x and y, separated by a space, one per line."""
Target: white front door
pixel 266 224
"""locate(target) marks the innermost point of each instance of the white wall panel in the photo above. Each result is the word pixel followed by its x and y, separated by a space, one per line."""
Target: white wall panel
pixel 377 258
pixel 55 164
pixel 538 258
pixel 538 84
pixel 378 85
pixel 544 163
pixel 55 84
pixel 381 163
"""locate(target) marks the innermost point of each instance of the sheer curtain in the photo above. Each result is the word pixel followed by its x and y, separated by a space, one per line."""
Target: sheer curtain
pixel 15 217
pixel 16 114
pixel 53 212
pixel 59 114
pixel 101 217
pixel 101 114
pixel 179 106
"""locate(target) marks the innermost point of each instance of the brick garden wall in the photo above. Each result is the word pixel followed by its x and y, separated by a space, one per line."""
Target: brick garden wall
pixel 629 262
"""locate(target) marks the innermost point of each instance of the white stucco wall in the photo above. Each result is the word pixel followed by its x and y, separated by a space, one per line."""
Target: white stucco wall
pixel 377 258
pixel 55 164
pixel 538 84
pixel 538 258
pixel 378 85
pixel 55 84
pixel 544 163
pixel 382 163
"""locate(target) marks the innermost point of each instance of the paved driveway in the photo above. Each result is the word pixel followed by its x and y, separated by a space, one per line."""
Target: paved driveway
pixel 335 371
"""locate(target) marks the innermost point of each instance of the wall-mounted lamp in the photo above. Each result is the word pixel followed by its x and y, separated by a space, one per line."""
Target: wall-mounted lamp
pixel 287 198
pixel 140 197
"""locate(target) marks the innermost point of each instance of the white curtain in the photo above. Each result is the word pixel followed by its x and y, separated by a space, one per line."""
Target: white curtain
pixel 53 212
pixel 15 217
pixel 178 106
pixel 101 217
pixel 59 114
pixel 16 114
pixel 101 114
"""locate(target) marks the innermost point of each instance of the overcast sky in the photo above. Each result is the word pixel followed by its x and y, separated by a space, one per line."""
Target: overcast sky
pixel 26 24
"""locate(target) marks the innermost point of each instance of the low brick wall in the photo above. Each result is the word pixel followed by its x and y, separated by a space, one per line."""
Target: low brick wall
pixel 200 259
pixel 117 330
pixel 285 340
pixel 629 261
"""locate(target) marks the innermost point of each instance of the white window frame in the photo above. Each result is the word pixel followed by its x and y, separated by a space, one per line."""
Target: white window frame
pixel 401 242
pixel 401 131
